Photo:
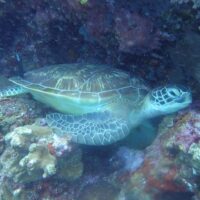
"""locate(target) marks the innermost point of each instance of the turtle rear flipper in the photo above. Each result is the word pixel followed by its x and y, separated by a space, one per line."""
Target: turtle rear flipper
pixel 91 129
pixel 11 91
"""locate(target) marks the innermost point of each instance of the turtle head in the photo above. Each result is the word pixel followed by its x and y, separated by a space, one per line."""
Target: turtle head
pixel 161 101
pixel 168 99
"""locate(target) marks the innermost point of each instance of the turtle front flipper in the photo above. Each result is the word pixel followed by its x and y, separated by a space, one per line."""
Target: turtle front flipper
pixel 91 129
pixel 11 91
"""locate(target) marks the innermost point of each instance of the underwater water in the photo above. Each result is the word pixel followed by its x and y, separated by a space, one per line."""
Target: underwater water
pixel 99 100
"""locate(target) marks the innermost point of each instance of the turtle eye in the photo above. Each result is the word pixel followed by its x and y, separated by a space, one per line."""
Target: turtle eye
pixel 174 92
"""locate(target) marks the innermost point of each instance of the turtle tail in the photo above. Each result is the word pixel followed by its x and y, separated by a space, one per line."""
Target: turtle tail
pixel 11 91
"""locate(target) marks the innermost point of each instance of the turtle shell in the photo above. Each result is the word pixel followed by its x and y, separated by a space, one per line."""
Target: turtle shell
pixel 83 83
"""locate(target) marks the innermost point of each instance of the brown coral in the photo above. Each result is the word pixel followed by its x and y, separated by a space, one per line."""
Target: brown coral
pixel 135 33
pixel 29 157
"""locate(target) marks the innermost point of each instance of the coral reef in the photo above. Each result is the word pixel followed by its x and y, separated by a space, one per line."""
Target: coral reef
pixel 53 189
pixel 171 163
pixel 16 112
pixel 32 153
pixel 101 190
pixel 96 32
pixel 39 158
pixel 127 160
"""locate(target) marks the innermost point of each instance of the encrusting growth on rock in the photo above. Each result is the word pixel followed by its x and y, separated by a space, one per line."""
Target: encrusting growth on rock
pixel 33 152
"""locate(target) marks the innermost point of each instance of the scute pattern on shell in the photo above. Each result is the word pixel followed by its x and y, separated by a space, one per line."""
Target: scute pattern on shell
pixel 86 81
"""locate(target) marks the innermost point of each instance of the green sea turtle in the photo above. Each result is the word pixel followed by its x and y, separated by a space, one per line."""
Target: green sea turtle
pixel 98 105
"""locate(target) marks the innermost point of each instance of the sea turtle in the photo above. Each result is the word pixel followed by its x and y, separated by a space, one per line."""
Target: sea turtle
pixel 98 104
